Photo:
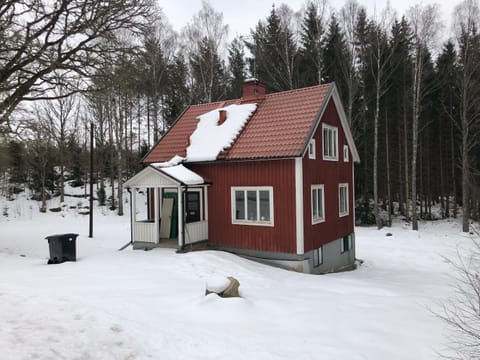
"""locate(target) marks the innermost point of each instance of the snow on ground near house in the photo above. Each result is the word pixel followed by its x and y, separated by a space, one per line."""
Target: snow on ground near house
pixel 150 304
pixel 210 138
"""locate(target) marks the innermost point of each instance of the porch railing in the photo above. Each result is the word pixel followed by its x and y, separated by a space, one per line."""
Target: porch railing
pixel 196 231
pixel 144 231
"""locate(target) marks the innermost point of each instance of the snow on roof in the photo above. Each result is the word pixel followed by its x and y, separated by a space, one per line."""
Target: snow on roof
pixel 210 138
pixel 172 162
pixel 182 174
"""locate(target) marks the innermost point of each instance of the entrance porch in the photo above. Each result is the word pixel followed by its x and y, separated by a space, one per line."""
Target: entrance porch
pixel 169 207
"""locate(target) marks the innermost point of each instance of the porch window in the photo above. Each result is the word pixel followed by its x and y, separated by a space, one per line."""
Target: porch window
pixel 252 205
pixel 343 199
pixel 318 204
pixel 193 206
pixel 330 142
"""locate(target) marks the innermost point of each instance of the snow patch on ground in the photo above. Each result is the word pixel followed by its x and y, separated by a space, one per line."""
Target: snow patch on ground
pixel 129 304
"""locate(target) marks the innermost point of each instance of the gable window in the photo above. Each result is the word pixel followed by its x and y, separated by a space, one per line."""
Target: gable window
pixel 343 199
pixel 311 149
pixel 318 256
pixel 252 205
pixel 330 142
pixel 346 243
pixel 318 204
pixel 345 153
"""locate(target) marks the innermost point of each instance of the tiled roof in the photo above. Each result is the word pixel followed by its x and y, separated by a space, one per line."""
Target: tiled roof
pixel 279 128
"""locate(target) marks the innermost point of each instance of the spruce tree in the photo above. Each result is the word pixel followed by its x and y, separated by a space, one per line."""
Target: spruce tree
pixel 236 68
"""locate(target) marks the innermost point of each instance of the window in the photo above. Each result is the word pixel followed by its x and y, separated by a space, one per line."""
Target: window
pixel 345 153
pixel 252 205
pixel 318 204
pixel 311 149
pixel 192 205
pixel 343 199
pixel 346 243
pixel 318 256
pixel 330 142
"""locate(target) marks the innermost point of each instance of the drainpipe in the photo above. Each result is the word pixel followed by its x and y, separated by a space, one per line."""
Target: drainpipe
pixel 183 215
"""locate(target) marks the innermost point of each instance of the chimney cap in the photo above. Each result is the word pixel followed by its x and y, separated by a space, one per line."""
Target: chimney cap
pixel 249 80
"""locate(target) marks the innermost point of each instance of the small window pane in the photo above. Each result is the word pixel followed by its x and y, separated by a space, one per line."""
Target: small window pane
pixel 252 205
pixel 315 203
pixel 320 203
pixel 264 205
pixel 239 205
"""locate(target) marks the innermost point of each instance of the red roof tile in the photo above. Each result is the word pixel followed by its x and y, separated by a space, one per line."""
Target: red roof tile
pixel 280 127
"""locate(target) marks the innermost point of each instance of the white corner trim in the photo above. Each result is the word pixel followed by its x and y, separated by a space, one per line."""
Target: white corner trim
pixel 299 206
pixel 345 126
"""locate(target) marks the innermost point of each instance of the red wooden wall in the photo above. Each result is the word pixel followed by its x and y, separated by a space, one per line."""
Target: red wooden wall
pixel 280 174
pixel 329 173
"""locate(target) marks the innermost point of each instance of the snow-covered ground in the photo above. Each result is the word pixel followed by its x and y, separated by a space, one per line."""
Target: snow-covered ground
pixel 129 304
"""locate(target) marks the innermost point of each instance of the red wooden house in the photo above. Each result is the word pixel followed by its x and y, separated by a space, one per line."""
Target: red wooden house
pixel 278 187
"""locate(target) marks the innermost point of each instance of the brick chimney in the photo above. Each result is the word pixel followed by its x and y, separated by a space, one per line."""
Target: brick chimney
pixel 222 116
pixel 253 90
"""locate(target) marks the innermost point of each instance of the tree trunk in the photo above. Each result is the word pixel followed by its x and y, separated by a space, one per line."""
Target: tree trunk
pixel 389 191
pixel 375 156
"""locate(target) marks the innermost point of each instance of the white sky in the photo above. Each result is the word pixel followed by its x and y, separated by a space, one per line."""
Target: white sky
pixel 243 15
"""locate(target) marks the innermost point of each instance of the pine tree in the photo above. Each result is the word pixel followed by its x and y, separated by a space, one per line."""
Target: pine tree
pixel 311 52
pixel 177 95
pixel 236 67
pixel 275 54
pixel 334 54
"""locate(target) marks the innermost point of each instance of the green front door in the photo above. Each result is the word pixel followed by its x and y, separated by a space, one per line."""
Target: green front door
pixel 174 227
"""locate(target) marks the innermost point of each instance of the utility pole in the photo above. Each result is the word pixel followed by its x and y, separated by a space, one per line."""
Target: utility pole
pixel 90 233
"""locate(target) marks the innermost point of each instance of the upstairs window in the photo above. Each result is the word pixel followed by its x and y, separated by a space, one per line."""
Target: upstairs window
pixel 345 153
pixel 343 199
pixel 318 204
pixel 330 142
pixel 252 205
pixel 311 149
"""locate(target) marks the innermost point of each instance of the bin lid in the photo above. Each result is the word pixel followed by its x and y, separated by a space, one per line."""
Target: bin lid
pixel 59 236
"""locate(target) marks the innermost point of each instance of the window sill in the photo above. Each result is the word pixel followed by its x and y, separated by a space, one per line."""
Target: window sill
pixel 253 223
pixel 343 214
pixel 326 158
pixel 318 221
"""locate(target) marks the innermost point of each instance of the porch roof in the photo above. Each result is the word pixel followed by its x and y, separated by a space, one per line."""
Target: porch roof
pixel 155 176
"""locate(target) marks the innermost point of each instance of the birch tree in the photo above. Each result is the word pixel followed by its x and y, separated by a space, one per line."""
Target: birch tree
pixel 205 37
pixel 466 18
pixel 425 26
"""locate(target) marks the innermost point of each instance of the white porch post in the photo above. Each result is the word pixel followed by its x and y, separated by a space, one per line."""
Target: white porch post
pixel 134 204
pixel 156 214
pixel 205 200
pixel 180 216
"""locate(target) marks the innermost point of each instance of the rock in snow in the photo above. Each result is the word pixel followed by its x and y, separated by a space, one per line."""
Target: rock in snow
pixel 224 287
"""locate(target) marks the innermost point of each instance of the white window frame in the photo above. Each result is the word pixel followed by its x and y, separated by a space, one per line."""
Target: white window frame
pixel 347 211
pixel 317 219
pixel 333 148
pixel 345 153
pixel 318 256
pixel 312 150
pixel 252 222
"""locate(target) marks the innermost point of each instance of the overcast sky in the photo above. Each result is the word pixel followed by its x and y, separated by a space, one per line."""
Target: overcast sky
pixel 242 15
